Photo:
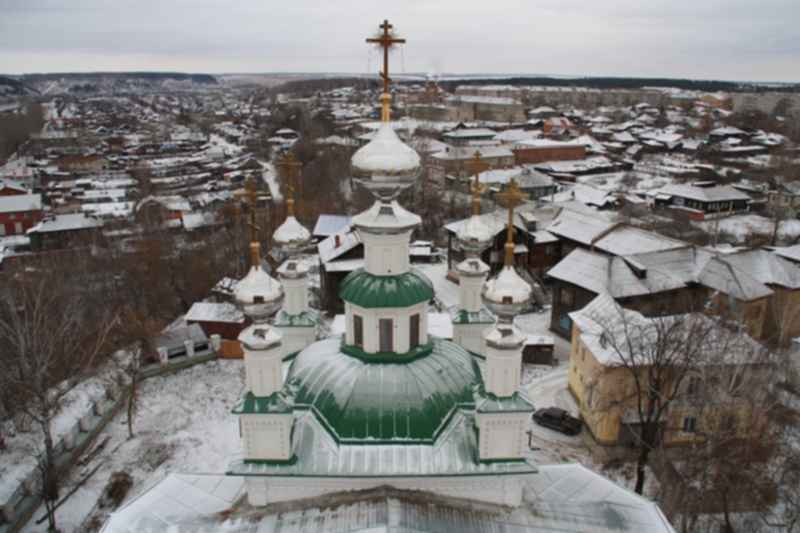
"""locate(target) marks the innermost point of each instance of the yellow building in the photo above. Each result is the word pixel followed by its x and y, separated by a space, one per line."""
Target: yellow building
pixel 611 346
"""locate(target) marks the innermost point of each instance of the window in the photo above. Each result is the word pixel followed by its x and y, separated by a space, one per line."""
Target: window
pixel 386 335
pixel 413 332
pixel 567 297
pixel 689 424
pixel 693 387
pixel 358 331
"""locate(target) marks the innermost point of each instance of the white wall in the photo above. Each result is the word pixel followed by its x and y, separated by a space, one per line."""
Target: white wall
pixel 470 337
pixel 267 436
pixel 401 319
pixel 503 369
pixel 386 255
pixel 263 370
pixel 502 435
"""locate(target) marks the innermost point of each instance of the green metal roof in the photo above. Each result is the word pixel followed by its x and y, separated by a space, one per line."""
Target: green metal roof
pixel 250 404
pixel 368 402
pixel 484 316
pixel 489 403
pixel 455 453
pixel 368 290
pixel 304 319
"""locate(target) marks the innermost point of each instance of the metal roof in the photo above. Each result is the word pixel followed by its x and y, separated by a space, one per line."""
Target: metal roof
pixel 406 402
pixel 403 290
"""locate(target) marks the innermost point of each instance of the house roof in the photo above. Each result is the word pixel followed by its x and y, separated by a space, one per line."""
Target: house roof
pixel 580 226
pixel 66 222
pixel 328 249
pixel 654 272
pixel 766 267
pixel 20 202
pixel 215 312
pixel 328 225
pixel 719 193
pixel 617 336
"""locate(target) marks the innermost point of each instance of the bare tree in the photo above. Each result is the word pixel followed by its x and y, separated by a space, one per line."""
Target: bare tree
pixel 54 334
pixel 656 354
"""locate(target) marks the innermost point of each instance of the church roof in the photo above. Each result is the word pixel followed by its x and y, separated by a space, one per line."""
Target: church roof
pixel 317 455
pixel 403 290
pixel 291 234
pixel 359 401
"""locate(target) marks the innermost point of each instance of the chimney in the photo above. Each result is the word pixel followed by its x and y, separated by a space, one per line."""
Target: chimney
pixel 338 240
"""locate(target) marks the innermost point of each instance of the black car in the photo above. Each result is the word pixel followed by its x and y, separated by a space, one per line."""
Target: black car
pixel 558 419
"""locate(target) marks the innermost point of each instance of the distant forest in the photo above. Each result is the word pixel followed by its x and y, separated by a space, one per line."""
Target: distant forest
pixel 623 83
pixel 148 76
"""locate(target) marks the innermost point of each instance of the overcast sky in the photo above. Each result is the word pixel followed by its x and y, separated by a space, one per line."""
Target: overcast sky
pixel 721 39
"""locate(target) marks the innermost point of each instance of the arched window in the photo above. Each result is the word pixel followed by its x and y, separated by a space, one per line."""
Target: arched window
pixel 386 335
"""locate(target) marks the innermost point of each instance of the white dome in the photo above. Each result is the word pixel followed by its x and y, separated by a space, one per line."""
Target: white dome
pixel 385 154
pixel 291 234
pixel 258 293
pixel 507 285
pixel 475 235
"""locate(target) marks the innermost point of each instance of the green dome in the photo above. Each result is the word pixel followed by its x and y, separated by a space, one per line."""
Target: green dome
pixel 368 290
pixel 358 401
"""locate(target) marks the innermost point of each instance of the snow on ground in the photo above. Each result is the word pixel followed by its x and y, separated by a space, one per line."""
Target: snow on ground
pixel 17 462
pixel 184 425
pixel 742 226
pixel 229 148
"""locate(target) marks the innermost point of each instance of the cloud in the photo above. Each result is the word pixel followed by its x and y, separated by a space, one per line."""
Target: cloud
pixel 724 39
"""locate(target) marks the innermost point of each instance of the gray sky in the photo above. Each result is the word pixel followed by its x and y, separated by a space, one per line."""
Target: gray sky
pixel 721 39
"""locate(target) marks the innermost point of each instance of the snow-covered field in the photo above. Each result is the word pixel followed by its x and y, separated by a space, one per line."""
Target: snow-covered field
pixel 183 425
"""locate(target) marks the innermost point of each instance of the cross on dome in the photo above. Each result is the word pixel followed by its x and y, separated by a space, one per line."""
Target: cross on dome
pixel 250 195
pixel 290 169
pixel 476 166
pixel 510 198
pixel 385 40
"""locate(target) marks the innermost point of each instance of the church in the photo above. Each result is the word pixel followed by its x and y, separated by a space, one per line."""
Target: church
pixel 368 421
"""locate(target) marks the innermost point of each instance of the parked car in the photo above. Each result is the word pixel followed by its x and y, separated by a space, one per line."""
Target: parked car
pixel 558 419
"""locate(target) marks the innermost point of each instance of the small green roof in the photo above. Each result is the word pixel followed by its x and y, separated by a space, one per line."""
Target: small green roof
pixel 489 403
pixel 403 290
pixel 305 319
pixel 484 316
pixel 405 402
pixel 275 403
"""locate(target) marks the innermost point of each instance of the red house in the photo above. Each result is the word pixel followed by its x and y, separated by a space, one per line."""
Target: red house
pixel 19 213
pixel 12 188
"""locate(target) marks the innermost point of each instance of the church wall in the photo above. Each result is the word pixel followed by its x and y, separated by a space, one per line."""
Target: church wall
pixel 401 318
pixel 386 255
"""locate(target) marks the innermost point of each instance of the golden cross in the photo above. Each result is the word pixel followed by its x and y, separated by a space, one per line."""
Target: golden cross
pixel 290 169
pixel 476 166
pixel 510 198
pixel 250 195
pixel 386 40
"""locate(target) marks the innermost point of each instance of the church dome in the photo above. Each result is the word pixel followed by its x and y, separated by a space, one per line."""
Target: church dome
pixel 507 293
pixel 475 235
pixel 258 293
pixel 386 164
pixel 291 235
pixel 370 291
pixel 365 401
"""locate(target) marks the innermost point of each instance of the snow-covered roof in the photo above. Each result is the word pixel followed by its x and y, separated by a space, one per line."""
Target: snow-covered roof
pixel 792 253
pixel 337 244
pixel 719 193
pixel 66 222
pixel 469 133
pixel 654 272
pixel 766 267
pixel 16 203
pixel 580 227
pixel 560 497
pixel 215 312
pixel 507 285
pixel 617 336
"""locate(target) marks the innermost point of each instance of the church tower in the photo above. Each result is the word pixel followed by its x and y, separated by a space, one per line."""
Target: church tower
pixel 296 321
pixel 265 417
pixel 472 318
pixel 502 414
